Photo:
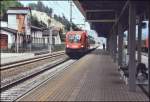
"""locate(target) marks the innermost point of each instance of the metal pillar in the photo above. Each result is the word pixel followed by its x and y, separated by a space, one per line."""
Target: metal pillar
pixel 107 44
pixel 17 42
pixel 128 41
pixel 111 45
pixel 139 41
pixel 115 44
pixel 132 34
pixel 70 15
pixel 120 43
pixel 50 40
pixel 148 49
pixel 50 36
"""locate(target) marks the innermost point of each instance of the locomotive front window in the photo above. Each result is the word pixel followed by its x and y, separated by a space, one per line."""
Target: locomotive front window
pixel 74 38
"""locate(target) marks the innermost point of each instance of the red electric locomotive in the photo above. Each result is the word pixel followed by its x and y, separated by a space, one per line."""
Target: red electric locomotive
pixel 76 42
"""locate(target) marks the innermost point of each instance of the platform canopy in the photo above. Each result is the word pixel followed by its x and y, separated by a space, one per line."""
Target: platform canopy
pixel 104 14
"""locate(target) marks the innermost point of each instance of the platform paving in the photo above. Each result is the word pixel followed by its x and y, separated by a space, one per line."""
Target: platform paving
pixel 94 77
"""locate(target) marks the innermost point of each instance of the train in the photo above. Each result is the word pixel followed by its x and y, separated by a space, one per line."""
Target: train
pixel 77 43
pixel 145 45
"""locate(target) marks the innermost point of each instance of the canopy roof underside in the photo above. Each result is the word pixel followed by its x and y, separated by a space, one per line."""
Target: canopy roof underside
pixel 103 14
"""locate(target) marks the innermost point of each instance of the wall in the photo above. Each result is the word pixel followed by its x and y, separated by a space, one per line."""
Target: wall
pixel 3 24
pixel 11 38
pixel 12 22
pixel 37 37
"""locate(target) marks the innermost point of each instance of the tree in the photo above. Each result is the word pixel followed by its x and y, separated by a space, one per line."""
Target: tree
pixel 5 4
pixel 41 7
pixel 91 39
pixel 33 6
pixel 35 22
pixel 62 36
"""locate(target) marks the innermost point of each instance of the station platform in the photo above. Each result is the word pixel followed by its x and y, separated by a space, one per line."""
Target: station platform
pixel 12 57
pixel 94 77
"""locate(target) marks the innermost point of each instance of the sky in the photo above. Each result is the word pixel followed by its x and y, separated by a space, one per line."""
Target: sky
pixel 63 8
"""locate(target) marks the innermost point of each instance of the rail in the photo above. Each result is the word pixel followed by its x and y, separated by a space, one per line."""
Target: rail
pixel 30 60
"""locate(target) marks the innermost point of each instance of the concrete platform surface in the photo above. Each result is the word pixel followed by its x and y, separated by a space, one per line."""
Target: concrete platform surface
pixel 93 78
pixel 12 57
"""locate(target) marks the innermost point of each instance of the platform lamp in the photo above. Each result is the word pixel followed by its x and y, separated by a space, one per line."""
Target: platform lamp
pixel 50 35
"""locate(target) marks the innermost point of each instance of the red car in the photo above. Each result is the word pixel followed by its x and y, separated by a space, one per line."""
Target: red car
pixel 76 42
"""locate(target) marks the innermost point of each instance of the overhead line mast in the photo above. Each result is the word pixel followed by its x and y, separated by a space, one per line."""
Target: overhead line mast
pixel 70 15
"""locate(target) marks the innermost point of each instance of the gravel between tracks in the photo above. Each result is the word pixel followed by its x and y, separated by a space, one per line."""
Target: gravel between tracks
pixel 10 75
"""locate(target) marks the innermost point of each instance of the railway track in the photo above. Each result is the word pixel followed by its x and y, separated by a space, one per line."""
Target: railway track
pixel 27 61
pixel 13 91
pixel 23 70
pixel 16 86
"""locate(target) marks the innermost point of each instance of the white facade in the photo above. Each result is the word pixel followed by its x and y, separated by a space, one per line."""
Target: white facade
pixel 37 37
pixel 13 22
pixel 57 39
pixel 56 36
pixel 4 24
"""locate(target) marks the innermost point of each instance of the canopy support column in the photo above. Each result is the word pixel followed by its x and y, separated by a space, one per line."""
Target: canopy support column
pixel 107 44
pixel 120 43
pixel 114 44
pixel 148 49
pixel 132 34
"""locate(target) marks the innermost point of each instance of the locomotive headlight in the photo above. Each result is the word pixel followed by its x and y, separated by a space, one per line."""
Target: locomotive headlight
pixel 82 46
pixel 67 46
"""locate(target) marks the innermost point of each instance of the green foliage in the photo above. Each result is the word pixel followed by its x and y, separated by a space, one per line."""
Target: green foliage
pixel 62 36
pixel 35 22
pixel 5 4
pixel 91 39
pixel 32 6
pixel 64 21
pixel 41 7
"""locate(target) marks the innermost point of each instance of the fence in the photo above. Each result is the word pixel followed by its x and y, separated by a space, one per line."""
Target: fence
pixel 34 47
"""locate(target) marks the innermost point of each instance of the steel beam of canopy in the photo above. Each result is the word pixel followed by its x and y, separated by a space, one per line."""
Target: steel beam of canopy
pixel 132 34
pixel 120 43
pixel 122 12
pixel 103 21
pixel 104 10
pixel 79 6
pixel 100 16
